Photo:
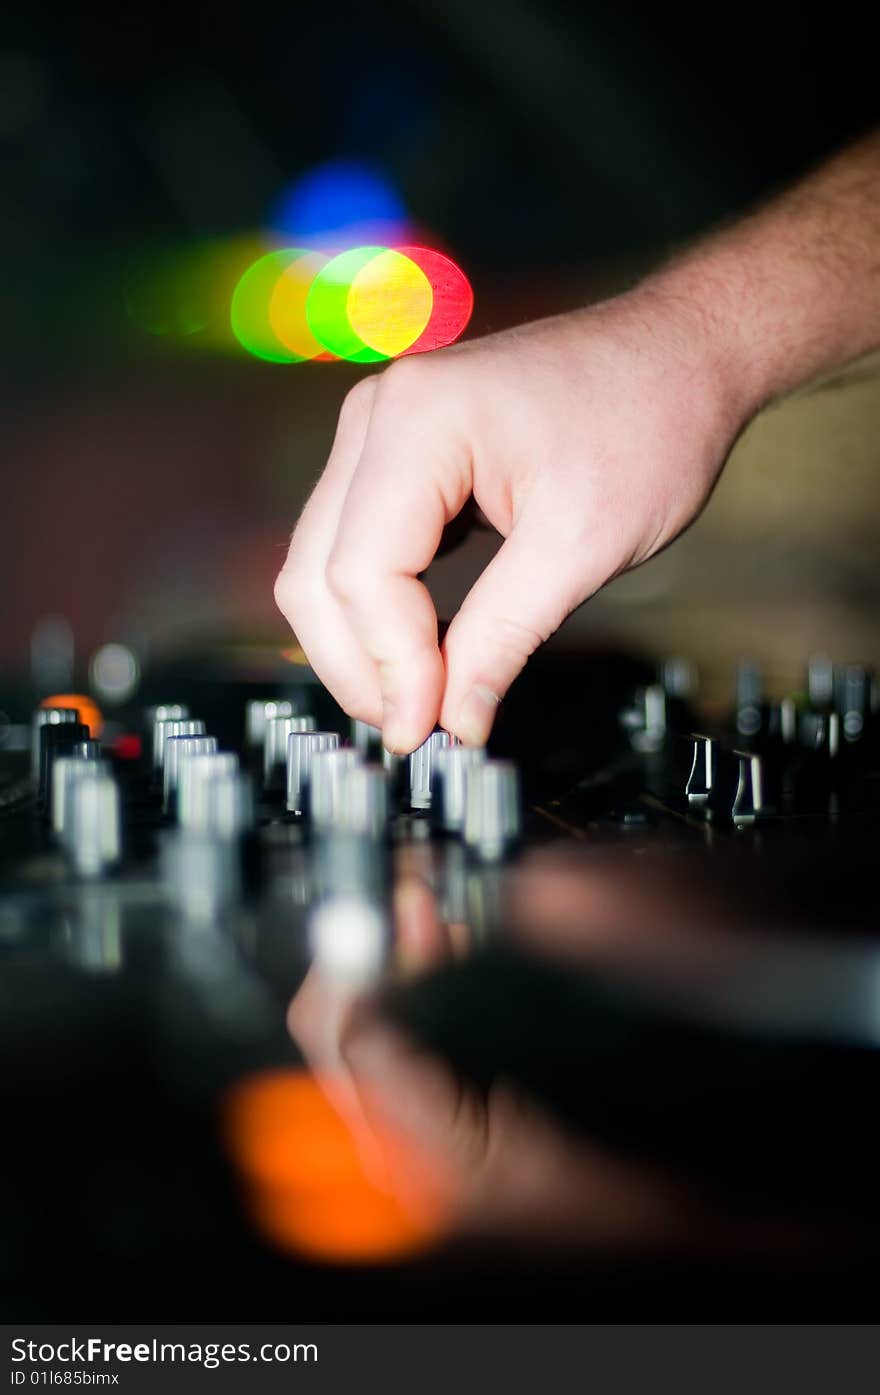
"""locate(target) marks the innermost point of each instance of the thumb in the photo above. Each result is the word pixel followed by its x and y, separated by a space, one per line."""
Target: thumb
pixel 536 579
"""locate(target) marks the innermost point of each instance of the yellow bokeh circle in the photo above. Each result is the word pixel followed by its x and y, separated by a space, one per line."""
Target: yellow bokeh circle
pixel 390 303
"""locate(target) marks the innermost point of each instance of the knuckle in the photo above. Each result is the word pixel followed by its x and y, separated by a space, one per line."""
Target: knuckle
pixel 359 399
pixel 290 590
pixel 405 378
pixel 493 642
pixel 521 640
pixel 342 578
pixel 512 638
pixel 284 592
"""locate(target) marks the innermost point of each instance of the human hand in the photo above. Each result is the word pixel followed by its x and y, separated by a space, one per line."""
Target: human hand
pixel 589 441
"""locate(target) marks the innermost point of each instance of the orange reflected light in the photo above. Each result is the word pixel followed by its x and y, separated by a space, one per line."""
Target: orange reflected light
pixel 89 711
pixel 295 655
pixel 307 1187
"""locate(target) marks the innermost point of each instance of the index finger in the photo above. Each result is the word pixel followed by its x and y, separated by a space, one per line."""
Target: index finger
pixel 413 476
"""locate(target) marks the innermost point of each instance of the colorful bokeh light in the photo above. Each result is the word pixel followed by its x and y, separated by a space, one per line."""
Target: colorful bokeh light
pixel 340 274
pixel 251 310
pixel 89 711
pixel 287 306
pixel 340 204
pixel 390 303
pixel 305 1180
pixel 327 306
pixel 183 293
pixel 453 299
pixel 366 305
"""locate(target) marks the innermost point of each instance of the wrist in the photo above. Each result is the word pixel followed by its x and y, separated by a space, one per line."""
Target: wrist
pixel 791 292
pixel 705 301
pixel 682 313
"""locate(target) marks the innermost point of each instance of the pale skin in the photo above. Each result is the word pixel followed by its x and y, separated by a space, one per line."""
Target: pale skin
pixel 589 441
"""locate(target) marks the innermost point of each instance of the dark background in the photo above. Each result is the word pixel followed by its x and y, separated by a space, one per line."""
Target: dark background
pixel 557 149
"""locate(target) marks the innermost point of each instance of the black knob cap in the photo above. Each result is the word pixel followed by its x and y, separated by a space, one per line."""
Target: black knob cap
pixel 57 741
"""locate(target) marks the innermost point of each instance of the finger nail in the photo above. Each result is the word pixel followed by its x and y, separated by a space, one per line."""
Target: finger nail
pixel 476 715
pixel 394 734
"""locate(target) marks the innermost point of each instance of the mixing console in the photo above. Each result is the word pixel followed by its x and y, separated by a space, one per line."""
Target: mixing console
pixel 659 927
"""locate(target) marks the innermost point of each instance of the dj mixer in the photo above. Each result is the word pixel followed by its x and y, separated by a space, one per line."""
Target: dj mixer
pixel 654 923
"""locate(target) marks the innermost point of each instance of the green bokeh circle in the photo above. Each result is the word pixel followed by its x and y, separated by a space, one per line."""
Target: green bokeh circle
pixel 326 306
pixel 251 299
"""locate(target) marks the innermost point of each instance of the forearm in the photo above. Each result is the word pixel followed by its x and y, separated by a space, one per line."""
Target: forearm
pixel 792 291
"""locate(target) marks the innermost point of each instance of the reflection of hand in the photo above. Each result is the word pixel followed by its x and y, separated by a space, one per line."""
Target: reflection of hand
pixel 513 1169
pixel 353 1050
pixel 589 441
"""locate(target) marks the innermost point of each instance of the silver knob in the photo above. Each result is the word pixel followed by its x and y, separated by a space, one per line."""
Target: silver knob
pixel 788 721
pixel 650 727
pixel 364 801
pixel 164 712
pixel 749 696
pixel 780 721
pixel 47 717
pixel 366 739
pixel 679 678
pixel 195 786
pixel 166 727
pixel 278 729
pixel 231 811
pixel 493 819
pixel 85 757
pixel 325 784
pixel 820 681
pixel 302 746
pixel 853 700
pixel 94 836
pixel 452 764
pixel 701 780
pixel 178 749
pixel 421 768
pixel 259 712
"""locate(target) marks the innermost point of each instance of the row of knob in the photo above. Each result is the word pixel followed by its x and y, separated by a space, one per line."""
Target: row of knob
pixel 341 788
pixel 840 701
pixel 335 785
pixel 750 798
pixel 850 689
pixel 202 786
pixel 738 782
pixel 466 792
pixel 81 798
pixel 208 794
pixel 848 692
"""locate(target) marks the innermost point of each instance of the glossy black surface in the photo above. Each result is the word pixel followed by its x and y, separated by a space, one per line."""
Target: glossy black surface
pixel 684 1013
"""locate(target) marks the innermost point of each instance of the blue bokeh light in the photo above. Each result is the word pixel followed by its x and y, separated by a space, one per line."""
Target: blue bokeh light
pixel 342 202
